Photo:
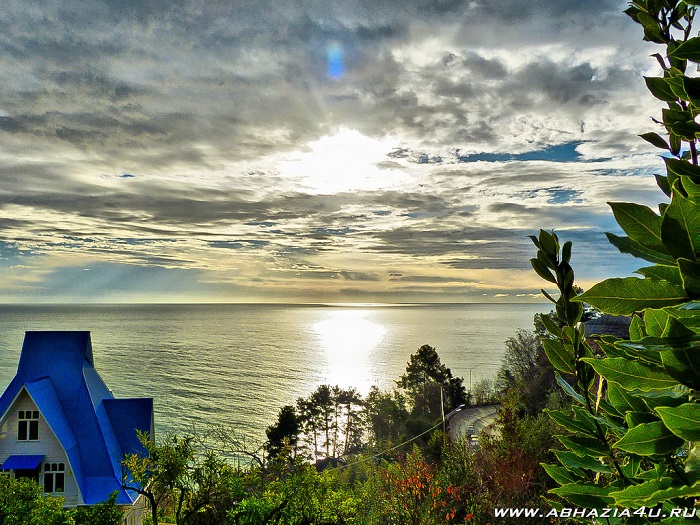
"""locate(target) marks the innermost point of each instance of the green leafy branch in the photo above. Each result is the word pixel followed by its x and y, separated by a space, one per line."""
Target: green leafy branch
pixel 634 422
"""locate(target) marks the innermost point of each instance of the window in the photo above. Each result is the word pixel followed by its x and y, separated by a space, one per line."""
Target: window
pixel 54 477
pixel 28 425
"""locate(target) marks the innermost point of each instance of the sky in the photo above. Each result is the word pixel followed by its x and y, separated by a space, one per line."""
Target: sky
pixel 315 151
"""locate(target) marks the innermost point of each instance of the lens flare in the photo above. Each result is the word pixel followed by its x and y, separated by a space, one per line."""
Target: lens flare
pixel 334 60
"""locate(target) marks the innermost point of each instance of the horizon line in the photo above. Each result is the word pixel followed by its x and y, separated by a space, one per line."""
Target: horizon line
pixel 259 303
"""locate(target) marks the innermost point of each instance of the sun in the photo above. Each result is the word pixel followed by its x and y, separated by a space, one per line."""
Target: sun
pixel 344 161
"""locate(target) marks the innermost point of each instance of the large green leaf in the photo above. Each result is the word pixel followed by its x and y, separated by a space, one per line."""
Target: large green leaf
pixel 624 401
pixel 652 31
pixel 680 227
pixel 566 252
pixel 688 50
pixel 676 145
pixel 571 460
pixel 655 140
pixel 655 321
pixel 692 188
pixel 676 332
pixel 560 358
pixel 642 495
pixel 681 168
pixel 568 388
pixel 649 439
pixel 683 420
pixel 629 295
pixel 637 330
pixel 569 422
pixel 549 243
pixel 663 183
pixel 687 130
pixel 637 350
pixel 560 474
pixel 631 375
pixel 675 115
pixel 663 272
pixel 634 419
pixel 660 88
pixel 585 446
pixel 683 363
pixel 640 223
pixel 542 270
pixel 678 87
pixel 670 398
pixel 692 88
pixel 627 245
pixel 550 325
pixel 585 495
pixel 687 314
pixel 690 273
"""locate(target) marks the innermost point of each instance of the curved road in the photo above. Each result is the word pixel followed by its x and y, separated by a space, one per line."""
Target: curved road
pixel 478 417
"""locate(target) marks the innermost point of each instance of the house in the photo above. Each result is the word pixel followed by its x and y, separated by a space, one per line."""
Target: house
pixel 606 324
pixel 62 427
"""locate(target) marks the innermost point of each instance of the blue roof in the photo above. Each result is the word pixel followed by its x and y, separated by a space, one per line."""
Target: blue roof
pixel 20 462
pixel 57 370
pixel 126 415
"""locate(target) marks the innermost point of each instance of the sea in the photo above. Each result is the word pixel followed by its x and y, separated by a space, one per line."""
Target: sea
pixel 235 365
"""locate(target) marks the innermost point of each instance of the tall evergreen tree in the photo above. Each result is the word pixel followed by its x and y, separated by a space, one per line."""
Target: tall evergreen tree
pixel 285 432
pixel 428 382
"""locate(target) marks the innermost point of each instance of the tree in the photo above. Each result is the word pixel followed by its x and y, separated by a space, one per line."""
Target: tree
pixel 352 428
pixel 429 383
pixel 386 414
pixel 285 432
pixel 635 420
pixel 526 370
pixel 175 477
pixel 330 421
pixel 22 502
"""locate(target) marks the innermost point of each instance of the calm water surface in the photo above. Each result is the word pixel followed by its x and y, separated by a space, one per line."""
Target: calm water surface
pixel 238 364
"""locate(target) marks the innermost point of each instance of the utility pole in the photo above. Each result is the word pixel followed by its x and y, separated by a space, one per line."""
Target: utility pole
pixel 442 410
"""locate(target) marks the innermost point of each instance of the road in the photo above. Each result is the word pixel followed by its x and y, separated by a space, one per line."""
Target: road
pixel 478 417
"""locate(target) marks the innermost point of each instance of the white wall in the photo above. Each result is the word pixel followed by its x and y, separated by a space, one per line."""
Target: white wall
pixel 47 445
pixel 134 514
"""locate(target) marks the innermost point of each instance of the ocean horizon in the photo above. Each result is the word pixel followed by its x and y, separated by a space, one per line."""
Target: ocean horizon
pixel 237 364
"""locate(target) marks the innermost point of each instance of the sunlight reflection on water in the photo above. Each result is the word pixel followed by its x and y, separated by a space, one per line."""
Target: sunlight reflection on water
pixel 348 340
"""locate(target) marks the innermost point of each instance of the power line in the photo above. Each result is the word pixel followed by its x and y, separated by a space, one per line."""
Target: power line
pixel 379 454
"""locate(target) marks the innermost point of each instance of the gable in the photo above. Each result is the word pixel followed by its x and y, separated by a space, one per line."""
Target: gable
pixel 16 454
pixel 56 370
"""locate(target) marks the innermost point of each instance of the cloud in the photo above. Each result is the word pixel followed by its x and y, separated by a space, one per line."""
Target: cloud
pixel 185 141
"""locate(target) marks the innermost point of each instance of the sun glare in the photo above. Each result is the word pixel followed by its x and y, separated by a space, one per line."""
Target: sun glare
pixel 348 340
pixel 342 162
